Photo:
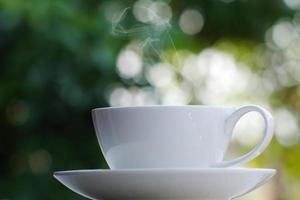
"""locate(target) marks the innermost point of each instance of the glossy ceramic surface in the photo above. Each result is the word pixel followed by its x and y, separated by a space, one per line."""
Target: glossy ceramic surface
pixel 172 136
pixel 164 184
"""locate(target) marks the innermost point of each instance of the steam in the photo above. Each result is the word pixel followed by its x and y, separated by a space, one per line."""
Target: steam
pixel 152 33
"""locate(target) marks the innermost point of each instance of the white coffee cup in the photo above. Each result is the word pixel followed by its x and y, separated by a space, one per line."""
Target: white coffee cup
pixel 172 136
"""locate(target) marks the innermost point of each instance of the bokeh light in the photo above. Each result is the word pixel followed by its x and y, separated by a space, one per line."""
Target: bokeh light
pixel 154 12
pixel 293 4
pixel 286 129
pixel 249 130
pixel 283 34
pixel 121 96
pixel 175 95
pixel 141 10
pixel 191 21
pixel 161 75
pixel 223 78
pixel 40 161
pixel 129 64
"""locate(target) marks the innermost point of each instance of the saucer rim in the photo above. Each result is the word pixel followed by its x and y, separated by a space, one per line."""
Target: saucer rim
pixel 164 170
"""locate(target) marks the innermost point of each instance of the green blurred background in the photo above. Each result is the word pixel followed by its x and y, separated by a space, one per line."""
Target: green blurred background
pixel 61 58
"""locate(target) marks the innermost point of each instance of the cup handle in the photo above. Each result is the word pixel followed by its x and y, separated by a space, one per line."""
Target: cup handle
pixel 268 133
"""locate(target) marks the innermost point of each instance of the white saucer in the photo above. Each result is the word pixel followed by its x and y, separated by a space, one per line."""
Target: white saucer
pixel 167 184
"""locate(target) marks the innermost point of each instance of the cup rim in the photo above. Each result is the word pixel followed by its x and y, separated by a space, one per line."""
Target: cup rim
pixel 160 106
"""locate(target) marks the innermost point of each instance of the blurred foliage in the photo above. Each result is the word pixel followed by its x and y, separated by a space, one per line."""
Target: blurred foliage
pixel 57 62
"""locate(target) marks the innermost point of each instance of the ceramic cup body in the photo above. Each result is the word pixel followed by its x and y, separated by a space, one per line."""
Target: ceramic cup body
pixel 163 136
